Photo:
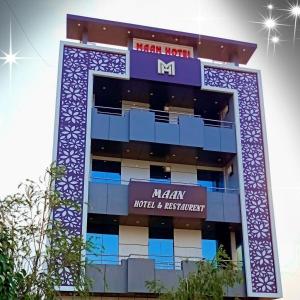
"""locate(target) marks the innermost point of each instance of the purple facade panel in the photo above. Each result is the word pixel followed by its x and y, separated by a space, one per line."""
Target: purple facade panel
pixel 144 65
pixel 71 144
pixel 258 219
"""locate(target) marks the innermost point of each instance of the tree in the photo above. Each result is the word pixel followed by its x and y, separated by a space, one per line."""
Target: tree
pixel 34 248
pixel 206 283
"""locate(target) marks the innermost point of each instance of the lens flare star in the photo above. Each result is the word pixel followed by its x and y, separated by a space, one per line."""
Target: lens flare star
pixel 11 57
pixel 294 11
pixel 270 24
pixel 275 40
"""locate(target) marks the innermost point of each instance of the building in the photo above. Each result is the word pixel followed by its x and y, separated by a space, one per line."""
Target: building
pixel 163 136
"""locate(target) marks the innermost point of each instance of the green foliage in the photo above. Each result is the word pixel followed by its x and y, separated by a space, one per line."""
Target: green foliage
pixel 10 280
pixel 34 248
pixel 206 283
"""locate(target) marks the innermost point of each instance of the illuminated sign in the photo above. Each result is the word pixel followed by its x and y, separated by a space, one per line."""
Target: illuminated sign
pixel 168 68
pixel 162 48
pixel 157 199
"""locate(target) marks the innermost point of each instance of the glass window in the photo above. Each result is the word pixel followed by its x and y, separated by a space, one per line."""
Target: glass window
pixel 161 247
pixel 103 239
pixel 209 249
pixel 104 248
pixel 160 174
pixel 212 180
pixel 106 171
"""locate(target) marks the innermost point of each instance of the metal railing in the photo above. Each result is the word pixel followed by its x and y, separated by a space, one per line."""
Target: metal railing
pixel 163 116
pixel 126 182
pixel 161 261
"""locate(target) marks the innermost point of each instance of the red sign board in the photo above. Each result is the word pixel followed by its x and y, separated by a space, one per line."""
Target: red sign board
pixel 173 200
pixel 162 48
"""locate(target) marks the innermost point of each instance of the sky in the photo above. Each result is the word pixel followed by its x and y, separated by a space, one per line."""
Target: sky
pixel 28 94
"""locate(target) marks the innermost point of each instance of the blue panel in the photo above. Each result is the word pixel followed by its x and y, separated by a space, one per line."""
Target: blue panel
pixel 119 128
pixel 104 248
pixel 191 131
pixel 105 177
pixel 167 133
pixel 100 125
pixel 160 180
pixel 215 209
pixel 162 251
pixel 117 203
pixel 97 198
pixel 232 211
pixel 142 125
pixel 228 142
pixel 209 249
pixel 212 139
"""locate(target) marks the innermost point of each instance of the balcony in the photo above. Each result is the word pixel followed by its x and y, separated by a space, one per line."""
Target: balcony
pixel 130 276
pixel 223 205
pixel 178 129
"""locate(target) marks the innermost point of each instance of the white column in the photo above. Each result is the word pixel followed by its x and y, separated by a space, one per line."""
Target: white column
pixel 187 245
pixel 134 169
pixel 183 174
pixel 133 241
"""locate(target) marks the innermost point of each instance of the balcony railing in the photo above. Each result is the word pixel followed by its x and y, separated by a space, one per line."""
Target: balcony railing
pixel 161 261
pixel 110 180
pixel 163 116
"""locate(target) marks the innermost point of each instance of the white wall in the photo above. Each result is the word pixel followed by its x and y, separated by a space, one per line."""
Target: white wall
pixel 187 245
pixel 132 104
pixel 183 174
pixel 174 110
pixel 133 240
pixel 134 169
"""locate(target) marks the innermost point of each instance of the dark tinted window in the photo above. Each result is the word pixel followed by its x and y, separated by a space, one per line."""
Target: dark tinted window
pixel 160 174
pixel 106 171
pixel 213 180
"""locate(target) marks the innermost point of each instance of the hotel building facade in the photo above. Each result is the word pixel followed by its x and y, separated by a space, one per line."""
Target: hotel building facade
pixel 163 137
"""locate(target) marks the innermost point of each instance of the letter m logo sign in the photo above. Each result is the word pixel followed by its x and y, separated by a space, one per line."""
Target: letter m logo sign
pixel 168 68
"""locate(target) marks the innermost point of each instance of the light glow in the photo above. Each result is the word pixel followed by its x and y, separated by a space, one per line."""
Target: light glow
pixel 295 10
pixel 270 23
pixel 275 39
pixel 270 6
pixel 11 57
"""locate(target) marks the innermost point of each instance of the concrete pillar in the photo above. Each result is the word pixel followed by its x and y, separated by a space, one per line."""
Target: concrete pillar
pixel 133 241
pixel 183 174
pixel 187 245
pixel 134 169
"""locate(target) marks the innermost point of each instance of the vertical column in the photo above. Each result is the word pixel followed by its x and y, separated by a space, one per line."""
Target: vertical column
pixel 233 247
pixel 183 174
pixel 187 245
pixel 133 241
pixel 134 169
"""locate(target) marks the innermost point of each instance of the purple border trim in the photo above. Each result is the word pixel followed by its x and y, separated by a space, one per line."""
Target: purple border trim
pixel 258 219
pixel 77 62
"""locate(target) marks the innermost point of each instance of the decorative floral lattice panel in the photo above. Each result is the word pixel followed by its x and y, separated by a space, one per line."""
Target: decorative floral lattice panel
pixel 258 219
